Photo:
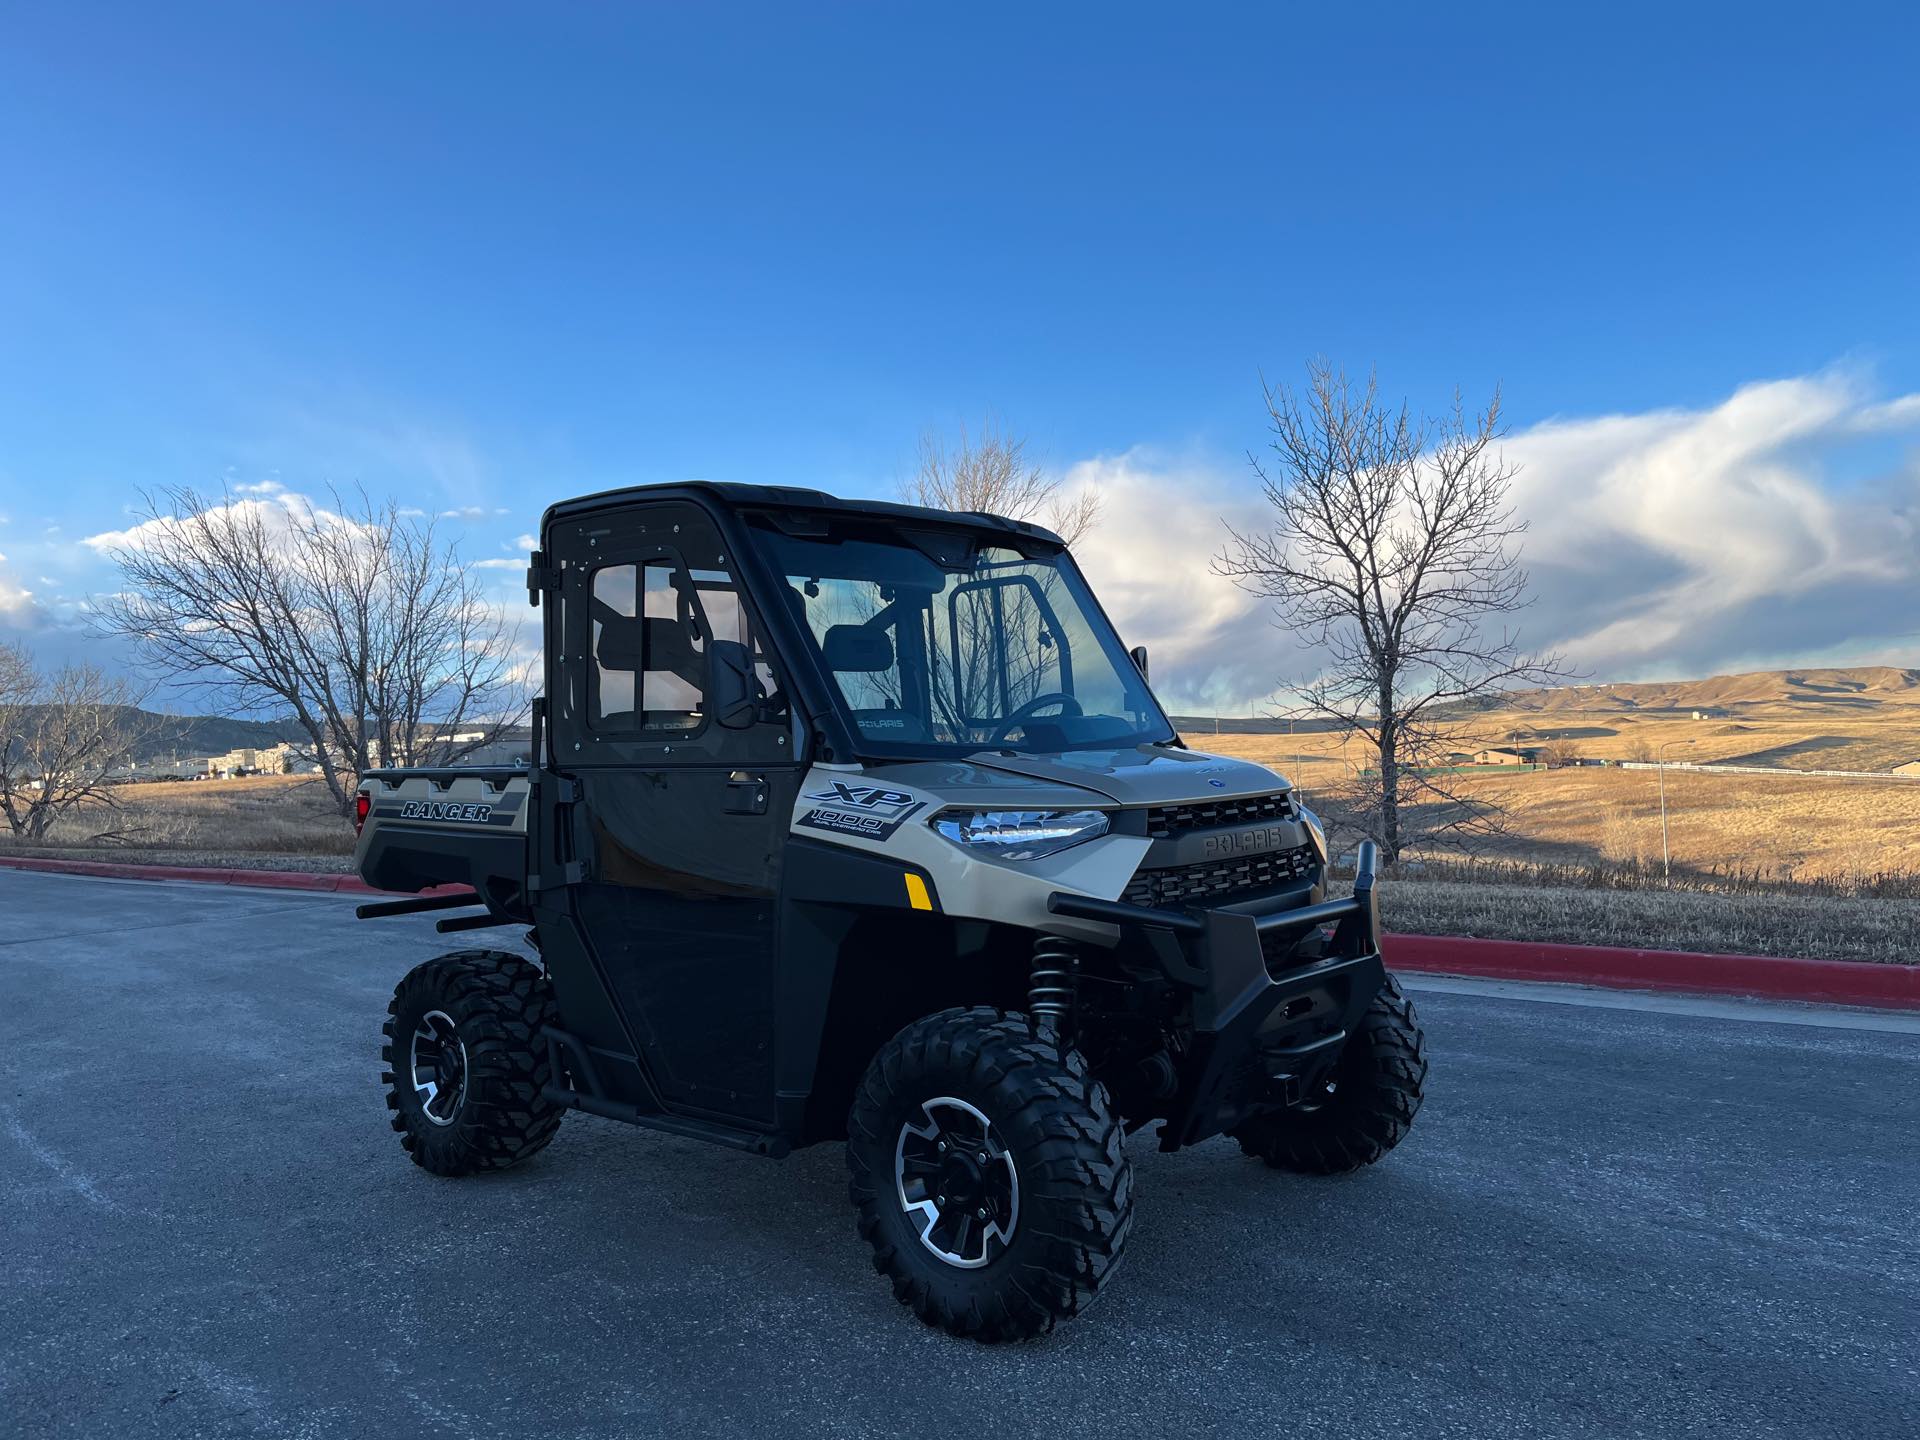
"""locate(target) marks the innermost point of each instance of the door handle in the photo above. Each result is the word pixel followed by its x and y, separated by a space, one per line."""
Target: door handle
pixel 746 794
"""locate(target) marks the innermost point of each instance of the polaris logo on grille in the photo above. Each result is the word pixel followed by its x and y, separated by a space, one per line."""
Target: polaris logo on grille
pixel 471 813
pixel 1247 842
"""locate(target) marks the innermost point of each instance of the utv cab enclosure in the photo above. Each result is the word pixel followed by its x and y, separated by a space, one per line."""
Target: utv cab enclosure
pixel 849 820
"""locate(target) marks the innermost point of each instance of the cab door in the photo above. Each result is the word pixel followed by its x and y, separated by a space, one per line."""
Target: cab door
pixel 679 823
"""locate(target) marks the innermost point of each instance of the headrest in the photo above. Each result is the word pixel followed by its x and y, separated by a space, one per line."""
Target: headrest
pixel 627 643
pixel 855 647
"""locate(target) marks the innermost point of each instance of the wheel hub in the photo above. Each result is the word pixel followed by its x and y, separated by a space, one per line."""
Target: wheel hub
pixel 957 1182
pixel 438 1059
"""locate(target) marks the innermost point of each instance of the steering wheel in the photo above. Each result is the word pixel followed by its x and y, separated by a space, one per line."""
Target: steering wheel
pixel 1068 706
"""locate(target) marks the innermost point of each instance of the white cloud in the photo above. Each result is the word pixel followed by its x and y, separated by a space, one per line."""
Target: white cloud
pixel 1161 522
pixel 525 542
pixel 501 564
pixel 1686 542
pixel 1779 527
pixel 16 602
pixel 473 512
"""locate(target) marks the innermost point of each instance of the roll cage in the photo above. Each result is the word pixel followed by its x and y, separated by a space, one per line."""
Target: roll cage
pixel 827 731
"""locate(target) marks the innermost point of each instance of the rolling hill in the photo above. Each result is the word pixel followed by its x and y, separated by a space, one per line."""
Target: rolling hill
pixel 1808 690
pixel 168 735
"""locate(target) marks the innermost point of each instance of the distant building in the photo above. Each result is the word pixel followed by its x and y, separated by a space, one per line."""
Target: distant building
pixel 1512 755
pixel 252 760
pixel 1710 712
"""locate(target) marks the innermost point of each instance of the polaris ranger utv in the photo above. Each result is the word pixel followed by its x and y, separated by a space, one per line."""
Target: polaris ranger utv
pixel 856 820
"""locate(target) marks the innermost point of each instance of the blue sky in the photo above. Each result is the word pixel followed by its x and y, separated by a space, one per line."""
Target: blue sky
pixel 486 256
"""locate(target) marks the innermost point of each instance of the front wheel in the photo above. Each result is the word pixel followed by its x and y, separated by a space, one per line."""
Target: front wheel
pixel 989 1174
pixel 1367 1105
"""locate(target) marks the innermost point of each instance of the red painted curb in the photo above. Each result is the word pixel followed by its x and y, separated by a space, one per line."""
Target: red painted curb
pixel 203 874
pixel 1834 982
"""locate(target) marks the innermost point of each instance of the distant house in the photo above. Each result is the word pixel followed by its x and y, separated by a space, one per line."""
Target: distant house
pixel 1710 712
pixel 1912 767
pixel 1512 755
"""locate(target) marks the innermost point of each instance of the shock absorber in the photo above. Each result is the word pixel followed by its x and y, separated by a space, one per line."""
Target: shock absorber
pixel 1050 984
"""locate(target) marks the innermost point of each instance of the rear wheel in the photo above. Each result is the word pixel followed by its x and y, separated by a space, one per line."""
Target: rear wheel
pixel 467 1062
pixel 989 1174
pixel 1367 1105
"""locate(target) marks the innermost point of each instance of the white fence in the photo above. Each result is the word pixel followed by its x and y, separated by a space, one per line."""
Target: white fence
pixel 1712 769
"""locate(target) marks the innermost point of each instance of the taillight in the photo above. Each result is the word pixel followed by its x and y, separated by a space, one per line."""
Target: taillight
pixel 362 803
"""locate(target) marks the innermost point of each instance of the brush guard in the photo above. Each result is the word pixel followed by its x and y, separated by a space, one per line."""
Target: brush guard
pixel 1269 1021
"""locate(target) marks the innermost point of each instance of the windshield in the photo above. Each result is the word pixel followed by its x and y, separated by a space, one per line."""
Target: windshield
pixel 984 648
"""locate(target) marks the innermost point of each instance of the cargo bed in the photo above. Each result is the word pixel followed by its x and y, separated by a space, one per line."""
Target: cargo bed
pixel 459 825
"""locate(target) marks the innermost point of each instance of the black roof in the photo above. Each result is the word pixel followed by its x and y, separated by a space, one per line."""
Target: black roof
pixel 792 500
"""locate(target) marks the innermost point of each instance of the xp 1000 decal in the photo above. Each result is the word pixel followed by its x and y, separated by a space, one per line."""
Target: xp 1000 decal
pixel 867 810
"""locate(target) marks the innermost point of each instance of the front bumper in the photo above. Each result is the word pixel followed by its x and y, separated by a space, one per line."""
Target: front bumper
pixel 1272 1004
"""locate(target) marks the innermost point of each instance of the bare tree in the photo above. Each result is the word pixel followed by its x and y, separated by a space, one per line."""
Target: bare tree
pixel 992 473
pixel 1560 752
pixel 62 736
pixel 359 620
pixel 1395 552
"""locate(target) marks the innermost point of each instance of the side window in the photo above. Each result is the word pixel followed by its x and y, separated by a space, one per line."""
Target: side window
pixel 673 650
pixel 650 627
pixel 649 649
pixel 727 618
pixel 615 660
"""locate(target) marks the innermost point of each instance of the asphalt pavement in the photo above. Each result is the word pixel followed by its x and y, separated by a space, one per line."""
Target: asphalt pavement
pixel 1613 1218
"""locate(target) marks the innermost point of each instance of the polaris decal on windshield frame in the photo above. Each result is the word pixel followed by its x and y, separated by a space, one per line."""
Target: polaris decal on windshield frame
pixel 867 810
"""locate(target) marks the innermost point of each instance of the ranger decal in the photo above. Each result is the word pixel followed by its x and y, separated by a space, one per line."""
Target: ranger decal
pixel 446 810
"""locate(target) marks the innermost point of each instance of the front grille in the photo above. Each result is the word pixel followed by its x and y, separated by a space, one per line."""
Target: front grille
pixel 1166 821
pixel 1221 882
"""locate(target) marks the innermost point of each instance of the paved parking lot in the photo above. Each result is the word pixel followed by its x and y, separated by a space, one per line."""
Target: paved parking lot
pixel 1609 1221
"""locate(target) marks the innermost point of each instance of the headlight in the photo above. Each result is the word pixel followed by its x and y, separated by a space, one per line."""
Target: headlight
pixel 1319 835
pixel 1020 834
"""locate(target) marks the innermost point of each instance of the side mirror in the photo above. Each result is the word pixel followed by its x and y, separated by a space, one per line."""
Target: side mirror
pixel 729 691
pixel 1139 654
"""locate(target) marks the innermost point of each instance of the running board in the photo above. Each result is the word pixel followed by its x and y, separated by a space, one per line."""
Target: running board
pixel 756 1144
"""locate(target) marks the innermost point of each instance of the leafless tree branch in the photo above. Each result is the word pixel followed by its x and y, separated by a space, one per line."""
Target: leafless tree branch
pixel 1395 552
pixel 992 473
pixel 357 619
pixel 63 734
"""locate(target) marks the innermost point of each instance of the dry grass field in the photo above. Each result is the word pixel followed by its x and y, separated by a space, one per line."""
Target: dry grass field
pixel 206 822
pixel 1786 826
pixel 1795 926
pixel 1790 834
pixel 1794 834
